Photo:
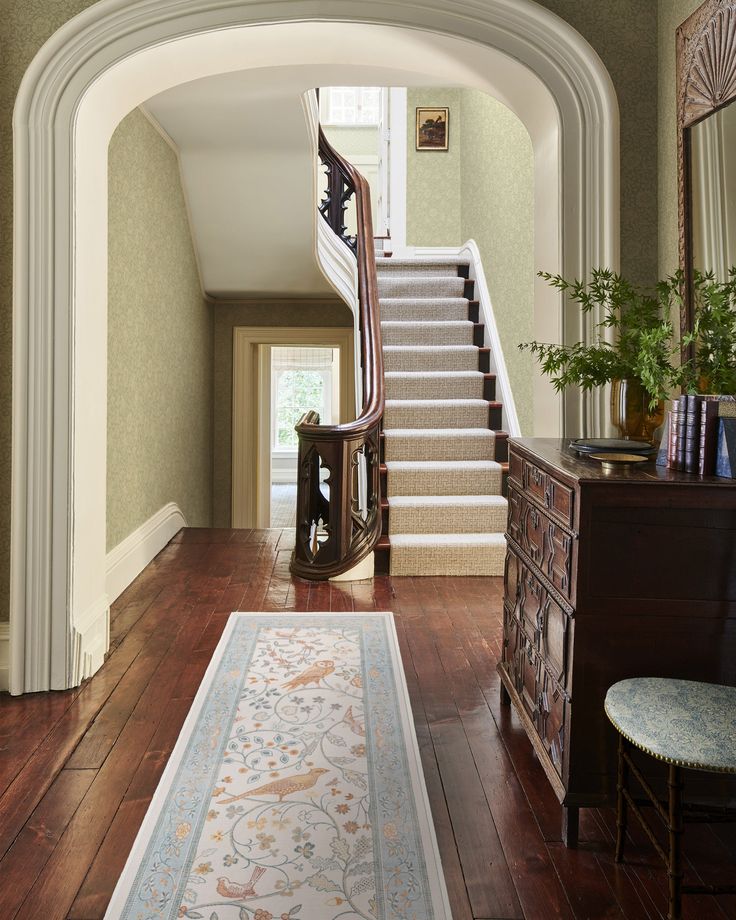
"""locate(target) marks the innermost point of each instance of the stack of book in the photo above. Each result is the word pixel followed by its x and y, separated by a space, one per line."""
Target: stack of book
pixel 700 435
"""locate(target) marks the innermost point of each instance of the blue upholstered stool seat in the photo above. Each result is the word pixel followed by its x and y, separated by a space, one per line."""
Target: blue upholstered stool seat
pixel 682 722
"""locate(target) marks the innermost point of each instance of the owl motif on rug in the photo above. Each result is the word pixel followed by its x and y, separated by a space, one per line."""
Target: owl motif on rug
pixel 312 675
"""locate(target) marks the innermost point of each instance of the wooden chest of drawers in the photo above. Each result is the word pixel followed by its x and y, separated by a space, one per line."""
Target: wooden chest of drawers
pixel 607 577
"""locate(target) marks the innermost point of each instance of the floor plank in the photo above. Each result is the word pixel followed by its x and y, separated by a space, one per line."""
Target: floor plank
pixel 78 769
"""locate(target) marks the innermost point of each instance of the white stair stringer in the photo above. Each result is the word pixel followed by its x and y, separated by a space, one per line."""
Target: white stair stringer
pixel 446 513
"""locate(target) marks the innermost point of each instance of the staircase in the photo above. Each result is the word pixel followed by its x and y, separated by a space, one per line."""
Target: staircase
pixel 443 451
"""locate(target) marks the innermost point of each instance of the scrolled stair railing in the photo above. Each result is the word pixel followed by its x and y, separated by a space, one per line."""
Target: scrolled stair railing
pixel 338 510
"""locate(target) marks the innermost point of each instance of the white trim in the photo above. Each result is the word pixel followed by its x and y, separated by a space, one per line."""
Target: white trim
pixel 97 67
pixel 469 250
pixel 4 655
pixel 397 154
pixel 90 640
pixel 128 559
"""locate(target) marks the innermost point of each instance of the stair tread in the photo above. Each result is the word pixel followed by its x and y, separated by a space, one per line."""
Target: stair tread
pixel 436 375
pixel 433 539
pixel 439 432
pixel 430 260
pixel 442 464
pixel 419 501
pixel 423 403
pixel 456 323
pixel 431 347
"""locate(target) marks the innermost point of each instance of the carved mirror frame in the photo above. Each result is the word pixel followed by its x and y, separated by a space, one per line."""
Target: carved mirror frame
pixel 706 82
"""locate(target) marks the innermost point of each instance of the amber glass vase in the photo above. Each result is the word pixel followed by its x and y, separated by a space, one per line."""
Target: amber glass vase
pixel 630 411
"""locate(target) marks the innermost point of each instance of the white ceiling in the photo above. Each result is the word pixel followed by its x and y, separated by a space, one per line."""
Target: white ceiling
pixel 246 163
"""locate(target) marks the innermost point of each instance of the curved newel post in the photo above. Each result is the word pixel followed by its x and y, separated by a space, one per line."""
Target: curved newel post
pixel 338 478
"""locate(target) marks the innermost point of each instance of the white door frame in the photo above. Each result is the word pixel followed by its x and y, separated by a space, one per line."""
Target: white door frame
pixel 252 408
pixel 397 156
pixel 85 78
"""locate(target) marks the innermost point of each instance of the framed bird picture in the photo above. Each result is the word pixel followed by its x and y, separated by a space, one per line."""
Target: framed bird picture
pixel 433 128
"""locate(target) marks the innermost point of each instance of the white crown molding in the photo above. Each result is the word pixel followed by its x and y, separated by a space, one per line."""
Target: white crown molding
pixel 128 559
pixel 85 78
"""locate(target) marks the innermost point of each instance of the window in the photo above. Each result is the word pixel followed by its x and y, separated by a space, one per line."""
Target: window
pixel 350 105
pixel 301 379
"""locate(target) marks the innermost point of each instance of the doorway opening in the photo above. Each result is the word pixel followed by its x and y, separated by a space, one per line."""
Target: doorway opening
pixel 83 81
pixel 301 379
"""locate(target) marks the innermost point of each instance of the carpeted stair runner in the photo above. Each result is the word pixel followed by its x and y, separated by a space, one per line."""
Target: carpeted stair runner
pixel 446 515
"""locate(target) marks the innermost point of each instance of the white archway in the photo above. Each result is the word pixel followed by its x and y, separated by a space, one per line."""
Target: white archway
pixel 83 81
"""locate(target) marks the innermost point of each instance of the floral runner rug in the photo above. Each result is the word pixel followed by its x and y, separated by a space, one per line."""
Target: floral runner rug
pixel 295 789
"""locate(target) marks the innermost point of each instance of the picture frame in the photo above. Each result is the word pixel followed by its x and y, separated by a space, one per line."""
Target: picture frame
pixel 432 128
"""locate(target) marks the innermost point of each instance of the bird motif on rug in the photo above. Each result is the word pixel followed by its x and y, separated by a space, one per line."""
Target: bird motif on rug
pixel 229 889
pixel 312 675
pixel 356 727
pixel 280 787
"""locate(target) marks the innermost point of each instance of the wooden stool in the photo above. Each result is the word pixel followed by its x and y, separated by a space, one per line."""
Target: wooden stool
pixel 685 724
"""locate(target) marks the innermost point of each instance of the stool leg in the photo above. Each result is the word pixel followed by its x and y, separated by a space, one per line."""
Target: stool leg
pixel 674 868
pixel 621 804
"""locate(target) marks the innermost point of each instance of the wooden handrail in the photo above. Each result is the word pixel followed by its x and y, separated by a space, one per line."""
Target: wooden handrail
pixel 339 514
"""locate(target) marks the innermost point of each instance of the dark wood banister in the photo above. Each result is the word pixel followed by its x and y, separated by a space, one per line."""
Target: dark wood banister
pixel 333 532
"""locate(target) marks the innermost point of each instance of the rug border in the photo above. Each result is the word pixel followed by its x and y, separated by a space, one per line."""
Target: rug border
pixel 438 889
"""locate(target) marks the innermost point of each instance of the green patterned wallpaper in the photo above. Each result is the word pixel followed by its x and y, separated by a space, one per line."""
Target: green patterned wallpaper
pixel 624 33
pixel 433 176
pixel 159 421
pixel 498 213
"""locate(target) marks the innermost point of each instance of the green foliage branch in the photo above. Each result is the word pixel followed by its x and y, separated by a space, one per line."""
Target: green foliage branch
pixel 643 346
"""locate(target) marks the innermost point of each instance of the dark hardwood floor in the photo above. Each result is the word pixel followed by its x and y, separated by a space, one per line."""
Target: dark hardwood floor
pixel 78 768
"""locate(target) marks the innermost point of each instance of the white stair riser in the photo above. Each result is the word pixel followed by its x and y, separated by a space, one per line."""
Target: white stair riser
pixel 434 387
pixel 447 560
pixel 396 358
pixel 456 519
pixel 436 448
pixel 430 311
pixel 440 482
pixel 417 286
pixel 423 334
pixel 434 416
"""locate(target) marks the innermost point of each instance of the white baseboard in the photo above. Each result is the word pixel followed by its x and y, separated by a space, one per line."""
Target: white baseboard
pixel 128 559
pixel 283 476
pixel 4 654
pixel 90 636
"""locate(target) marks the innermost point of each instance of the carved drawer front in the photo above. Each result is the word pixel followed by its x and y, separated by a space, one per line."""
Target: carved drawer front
pixel 516 466
pixel 548 546
pixel 512 579
pixel 529 676
pixel 533 530
pixel 556 497
pixel 516 506
pixel 531 601
pixel 555 639
pixel 553 715
pixel 557 560
pixel 511 647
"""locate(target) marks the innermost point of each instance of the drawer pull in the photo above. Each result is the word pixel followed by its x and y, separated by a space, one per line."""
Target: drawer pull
pixel 549 494
pixel 534 515
pixel 537 475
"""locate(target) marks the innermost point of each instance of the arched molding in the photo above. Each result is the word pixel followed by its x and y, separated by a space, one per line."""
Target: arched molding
pixel 92 71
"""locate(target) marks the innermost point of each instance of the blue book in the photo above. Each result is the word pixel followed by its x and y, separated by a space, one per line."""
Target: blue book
pixel 726 453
